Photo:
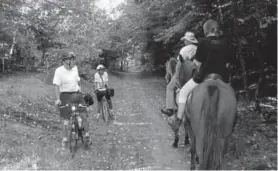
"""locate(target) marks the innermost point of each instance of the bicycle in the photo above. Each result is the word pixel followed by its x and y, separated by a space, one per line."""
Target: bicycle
pixel 76 127
pixel 104 110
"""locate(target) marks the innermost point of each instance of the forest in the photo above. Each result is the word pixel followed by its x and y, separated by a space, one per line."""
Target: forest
pixel 35 33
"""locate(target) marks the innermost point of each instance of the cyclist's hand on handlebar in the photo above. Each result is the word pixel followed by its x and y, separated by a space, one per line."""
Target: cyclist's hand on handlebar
pixel 58 102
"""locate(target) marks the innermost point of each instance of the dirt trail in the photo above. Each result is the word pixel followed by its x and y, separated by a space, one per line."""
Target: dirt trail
pixel 139 138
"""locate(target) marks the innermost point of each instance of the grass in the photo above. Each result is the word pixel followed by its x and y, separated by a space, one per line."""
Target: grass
pixel 31 137
pixel 27 144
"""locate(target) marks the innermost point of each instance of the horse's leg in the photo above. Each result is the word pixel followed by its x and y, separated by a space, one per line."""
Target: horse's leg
pixel 193 153
pixel 197 159
pixel 193 145
pixel 186 139
pixel 176 141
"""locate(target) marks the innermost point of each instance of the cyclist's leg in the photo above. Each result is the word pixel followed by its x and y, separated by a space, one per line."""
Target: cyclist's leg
pixel 109 101
pixel 78 98
pixel 84 117
pixel 64 115
pixel 99 98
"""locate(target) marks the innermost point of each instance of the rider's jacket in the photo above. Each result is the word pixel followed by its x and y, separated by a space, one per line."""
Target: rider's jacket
pixel 213 53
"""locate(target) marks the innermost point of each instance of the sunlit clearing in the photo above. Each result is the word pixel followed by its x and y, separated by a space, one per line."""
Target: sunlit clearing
pixel 109 5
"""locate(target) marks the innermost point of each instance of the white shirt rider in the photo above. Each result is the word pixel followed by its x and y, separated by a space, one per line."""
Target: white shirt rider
pixel 67 79
pixel 101 78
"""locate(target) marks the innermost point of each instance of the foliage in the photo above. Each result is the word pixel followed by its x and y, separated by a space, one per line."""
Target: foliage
pixel 150 31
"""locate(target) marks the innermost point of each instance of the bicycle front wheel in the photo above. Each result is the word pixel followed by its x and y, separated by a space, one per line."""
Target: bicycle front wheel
pixel 105 112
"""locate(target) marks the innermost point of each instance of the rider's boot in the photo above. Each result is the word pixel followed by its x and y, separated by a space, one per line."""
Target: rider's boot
pixel 168 112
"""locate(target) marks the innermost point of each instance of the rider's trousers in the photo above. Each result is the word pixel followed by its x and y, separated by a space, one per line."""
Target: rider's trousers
pixel 185 90
pixel 170 89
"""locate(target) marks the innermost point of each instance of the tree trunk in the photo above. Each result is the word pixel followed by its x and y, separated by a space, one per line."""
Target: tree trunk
pixel 122 63
pixel 43 57
pixel 244 73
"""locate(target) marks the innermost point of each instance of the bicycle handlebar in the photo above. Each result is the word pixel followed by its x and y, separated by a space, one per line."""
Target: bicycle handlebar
pixel 70 105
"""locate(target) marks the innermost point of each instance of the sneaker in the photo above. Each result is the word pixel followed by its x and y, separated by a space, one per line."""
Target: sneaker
pixel 112 115
pixel 87 141
pixel 175 123
pixel 168 112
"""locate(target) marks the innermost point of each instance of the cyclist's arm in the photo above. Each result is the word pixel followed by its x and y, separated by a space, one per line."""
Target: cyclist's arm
pixel 79 84
pixel 57 82
pixel 106 80
pixel 96 84
pixel 57 92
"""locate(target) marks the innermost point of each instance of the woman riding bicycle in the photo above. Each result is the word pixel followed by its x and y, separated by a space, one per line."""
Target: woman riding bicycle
pixel 101 88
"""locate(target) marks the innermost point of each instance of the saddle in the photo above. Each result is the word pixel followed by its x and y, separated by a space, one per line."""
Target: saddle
pixel 213 76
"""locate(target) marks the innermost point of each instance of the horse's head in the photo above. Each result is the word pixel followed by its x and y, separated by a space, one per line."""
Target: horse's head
pixel 187 70
pixel 170 67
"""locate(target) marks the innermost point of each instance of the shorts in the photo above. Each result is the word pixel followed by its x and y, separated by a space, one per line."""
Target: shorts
pixel 101 93
pixel 70 97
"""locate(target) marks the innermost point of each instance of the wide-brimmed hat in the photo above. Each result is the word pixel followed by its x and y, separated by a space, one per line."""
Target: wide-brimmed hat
pixel 190 37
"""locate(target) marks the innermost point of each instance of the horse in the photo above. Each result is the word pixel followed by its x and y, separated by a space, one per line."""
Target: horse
pixel 186 71
pixel 210 119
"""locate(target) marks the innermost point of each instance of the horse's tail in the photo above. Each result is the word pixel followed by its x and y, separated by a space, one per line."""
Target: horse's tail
pixel 212 141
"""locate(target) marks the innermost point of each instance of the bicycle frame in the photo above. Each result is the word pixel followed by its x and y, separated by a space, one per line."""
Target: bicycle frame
pixel 76 125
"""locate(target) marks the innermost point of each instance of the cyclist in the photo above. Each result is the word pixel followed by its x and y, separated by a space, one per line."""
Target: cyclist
pixel 101 88
pixel 67 89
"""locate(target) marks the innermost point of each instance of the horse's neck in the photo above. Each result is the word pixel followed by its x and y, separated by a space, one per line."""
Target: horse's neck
pixel 185 72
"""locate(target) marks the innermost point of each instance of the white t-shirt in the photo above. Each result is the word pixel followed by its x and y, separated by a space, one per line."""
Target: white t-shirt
pixel 67 80
pixel 99 81
pixel 188 51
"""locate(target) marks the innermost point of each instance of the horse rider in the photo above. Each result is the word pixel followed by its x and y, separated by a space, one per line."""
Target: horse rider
pixel 213 54
pixel 67 89
pixel 187 53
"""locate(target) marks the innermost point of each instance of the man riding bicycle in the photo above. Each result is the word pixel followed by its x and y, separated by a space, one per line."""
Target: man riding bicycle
pixel 101 88
pixel 67 89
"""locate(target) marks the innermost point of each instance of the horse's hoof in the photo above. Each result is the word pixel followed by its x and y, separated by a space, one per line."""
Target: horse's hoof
pixel 192 167
pixel 175 145
pixel 197 160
